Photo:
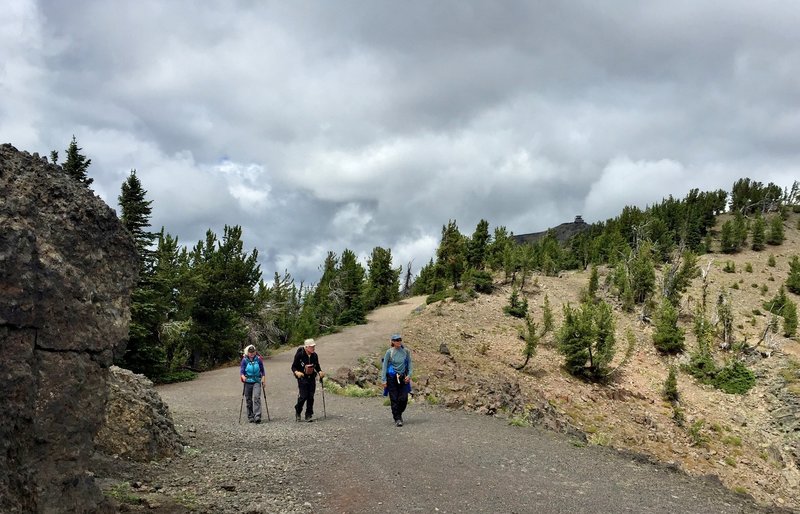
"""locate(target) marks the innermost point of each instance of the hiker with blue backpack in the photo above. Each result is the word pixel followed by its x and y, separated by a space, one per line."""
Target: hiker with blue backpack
pixel 252 375
pixel 396 377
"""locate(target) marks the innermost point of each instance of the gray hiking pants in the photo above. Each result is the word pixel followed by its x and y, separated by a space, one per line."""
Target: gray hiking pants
pixel 252 394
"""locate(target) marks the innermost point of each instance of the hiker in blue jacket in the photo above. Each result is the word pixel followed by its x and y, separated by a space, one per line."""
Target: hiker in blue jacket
pixel 396 377
pixel 253 376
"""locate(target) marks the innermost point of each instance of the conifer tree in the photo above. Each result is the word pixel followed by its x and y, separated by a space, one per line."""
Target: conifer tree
pixel 671 386
pixel 326 299
pixel 759 233
pixel 76 163
pixel 642 273
pixel 729 241
pixel 496 249
pixel 793 280
pixel 451 254
pixel 351 279
pixel 531 338
pixel 586 339
pixel 547 316
pixel 789 313
pixel 144 353
pixel 383 282
pixel 668 337
pixel 776 234
pixel 478 245
pixel 223 296
pixel 135 216
pixel 594 281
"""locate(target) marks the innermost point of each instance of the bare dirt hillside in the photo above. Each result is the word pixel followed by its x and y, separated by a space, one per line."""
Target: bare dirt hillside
pixel 751 441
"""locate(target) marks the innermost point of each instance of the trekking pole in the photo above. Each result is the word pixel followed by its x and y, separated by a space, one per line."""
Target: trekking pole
pixel 241 405
pixel 266 405
pixel 324 411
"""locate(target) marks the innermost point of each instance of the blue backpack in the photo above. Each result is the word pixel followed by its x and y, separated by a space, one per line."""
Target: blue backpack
pixel 252 370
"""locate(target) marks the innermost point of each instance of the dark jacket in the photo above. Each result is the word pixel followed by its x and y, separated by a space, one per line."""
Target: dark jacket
pixel 304 363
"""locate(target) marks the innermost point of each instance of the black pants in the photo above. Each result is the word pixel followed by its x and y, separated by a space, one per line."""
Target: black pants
pixel 306 388
pixel 398 394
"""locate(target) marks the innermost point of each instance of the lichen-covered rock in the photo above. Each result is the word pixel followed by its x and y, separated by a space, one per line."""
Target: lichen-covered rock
pixel 67 268
pixel 138 425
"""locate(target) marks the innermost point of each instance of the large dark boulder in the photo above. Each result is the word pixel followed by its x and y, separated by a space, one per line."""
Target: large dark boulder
pixel 67 268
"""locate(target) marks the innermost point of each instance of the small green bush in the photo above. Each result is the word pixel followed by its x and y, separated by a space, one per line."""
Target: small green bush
pixel 516 307
pixel 483 282
pixel 735 378
pixel 439 296
pixel 671 385
pixel 730 267
pixel 771 261
pixel 748 267
pixel 702 367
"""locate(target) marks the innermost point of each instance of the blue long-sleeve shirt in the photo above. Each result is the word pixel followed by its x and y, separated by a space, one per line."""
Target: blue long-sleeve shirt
pixel 399 357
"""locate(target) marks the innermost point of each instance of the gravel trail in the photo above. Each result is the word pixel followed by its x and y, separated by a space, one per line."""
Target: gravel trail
pixel 356 461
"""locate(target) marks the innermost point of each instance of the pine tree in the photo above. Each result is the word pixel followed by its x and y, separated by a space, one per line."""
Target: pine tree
pixel 586 339
pixel 495 251
pixel 793 280
pixel 729 241
pixel 668 337
pixel 135 216
pixel 516 307
pixel 76 163
pixel 383 282
pixel 531 338
pixel 223 295
pixel 671 386
pixel 144 353
pixel 789 313
pixel 776 234
pixel 642 273
pixel 547 316
pixel 351 279
pixel 451 254
pixel 759 233
pixel 594 280
pixel 477 246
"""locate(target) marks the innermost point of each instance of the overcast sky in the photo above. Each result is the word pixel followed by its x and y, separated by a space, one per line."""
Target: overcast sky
pixel 338 124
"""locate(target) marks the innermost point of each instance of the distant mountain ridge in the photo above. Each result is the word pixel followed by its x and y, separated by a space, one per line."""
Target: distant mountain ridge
pixel 563 232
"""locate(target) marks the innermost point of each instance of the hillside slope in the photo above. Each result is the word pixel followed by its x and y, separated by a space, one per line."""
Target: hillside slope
pixel 749 441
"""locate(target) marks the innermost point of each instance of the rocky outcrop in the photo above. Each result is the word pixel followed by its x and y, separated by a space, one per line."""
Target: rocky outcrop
pixel 67 268
pixel 137 425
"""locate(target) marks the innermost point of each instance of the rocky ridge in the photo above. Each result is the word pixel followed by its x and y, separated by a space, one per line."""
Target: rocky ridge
pixel 750 442
pixel 67 268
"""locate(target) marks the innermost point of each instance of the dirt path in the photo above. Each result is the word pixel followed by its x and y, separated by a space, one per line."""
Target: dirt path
pixel 357 461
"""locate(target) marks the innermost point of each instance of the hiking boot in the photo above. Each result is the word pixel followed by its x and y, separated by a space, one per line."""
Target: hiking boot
pixel 297 417
pixel 399 423
pixel 309 420
pixel 257 421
